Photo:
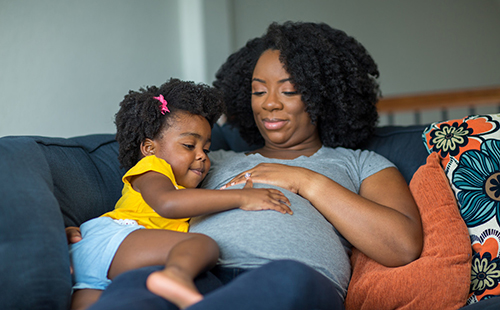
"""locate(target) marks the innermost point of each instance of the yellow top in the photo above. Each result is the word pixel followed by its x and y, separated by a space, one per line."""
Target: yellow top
pixel 132 206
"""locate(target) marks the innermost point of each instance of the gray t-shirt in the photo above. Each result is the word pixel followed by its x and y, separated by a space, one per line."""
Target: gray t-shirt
pixel 248 239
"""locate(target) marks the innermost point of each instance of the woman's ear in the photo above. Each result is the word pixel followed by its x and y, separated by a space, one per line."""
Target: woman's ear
pixel 147 147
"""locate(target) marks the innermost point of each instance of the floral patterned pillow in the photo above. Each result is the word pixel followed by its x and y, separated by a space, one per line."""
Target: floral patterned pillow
pixel 469 150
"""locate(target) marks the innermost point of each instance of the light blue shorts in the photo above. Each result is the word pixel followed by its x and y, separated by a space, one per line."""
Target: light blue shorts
pixel 92 256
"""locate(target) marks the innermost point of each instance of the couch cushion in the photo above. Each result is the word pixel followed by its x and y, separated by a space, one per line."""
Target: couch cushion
pixel 402 145
pixel 85 173
pixel 442 273
pixel 226 137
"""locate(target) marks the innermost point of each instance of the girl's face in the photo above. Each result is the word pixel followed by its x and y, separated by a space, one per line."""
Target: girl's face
pixel 277 107
pixel 184 145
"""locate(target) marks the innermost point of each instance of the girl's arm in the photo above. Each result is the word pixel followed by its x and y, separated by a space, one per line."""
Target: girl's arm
pixel 160 194
pixel 382 221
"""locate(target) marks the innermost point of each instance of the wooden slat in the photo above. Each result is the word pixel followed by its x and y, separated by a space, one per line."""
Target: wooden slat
pixel 436 100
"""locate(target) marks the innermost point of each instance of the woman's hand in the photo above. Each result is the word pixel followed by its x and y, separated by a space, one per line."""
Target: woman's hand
pixel 284 176
pixel 255 199
pixel 73 234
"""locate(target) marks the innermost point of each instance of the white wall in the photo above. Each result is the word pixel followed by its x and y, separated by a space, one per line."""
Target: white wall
pixel 419 46
pixel 66 64
pixel 219 34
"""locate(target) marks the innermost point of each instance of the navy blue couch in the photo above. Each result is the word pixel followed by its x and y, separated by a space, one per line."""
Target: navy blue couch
pixel 49 183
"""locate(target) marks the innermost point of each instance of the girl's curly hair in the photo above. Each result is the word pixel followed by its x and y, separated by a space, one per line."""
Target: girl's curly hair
pixel 140 114
pixel 333 72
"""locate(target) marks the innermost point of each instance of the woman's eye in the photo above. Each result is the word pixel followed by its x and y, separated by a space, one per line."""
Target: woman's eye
pixel 258 93
pixel 290 93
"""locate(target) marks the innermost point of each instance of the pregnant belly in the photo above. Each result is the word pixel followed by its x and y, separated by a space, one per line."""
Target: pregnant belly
pixel 248 239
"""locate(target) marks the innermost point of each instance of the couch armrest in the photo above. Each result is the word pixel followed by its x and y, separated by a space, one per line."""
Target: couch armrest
pixel 48 183
pixel 31 230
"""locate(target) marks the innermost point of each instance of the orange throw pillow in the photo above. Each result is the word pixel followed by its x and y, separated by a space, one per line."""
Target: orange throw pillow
pixel 440 278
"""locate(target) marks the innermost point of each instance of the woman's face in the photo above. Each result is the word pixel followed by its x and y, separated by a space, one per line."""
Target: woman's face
pixel 277 107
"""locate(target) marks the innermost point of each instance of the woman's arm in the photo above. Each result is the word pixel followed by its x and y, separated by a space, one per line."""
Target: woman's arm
pixel 382 221
pixel 160 194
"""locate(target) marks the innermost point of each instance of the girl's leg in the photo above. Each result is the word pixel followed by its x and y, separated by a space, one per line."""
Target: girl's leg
pixel 82 299
pixel 185 255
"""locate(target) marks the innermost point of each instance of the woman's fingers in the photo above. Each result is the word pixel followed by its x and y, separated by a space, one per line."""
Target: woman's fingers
pixel 241 178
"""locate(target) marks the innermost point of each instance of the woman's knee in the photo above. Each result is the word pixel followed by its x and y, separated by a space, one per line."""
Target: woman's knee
pixel 292 273
pixel 308 286
pixel 290 267
pixel 295 276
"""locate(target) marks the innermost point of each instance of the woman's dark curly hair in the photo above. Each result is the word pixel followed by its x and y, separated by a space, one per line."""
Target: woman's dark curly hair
pixel 333 72
pixel 140 114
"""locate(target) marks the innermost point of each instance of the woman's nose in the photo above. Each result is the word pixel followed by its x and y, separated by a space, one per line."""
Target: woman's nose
pixel 272 102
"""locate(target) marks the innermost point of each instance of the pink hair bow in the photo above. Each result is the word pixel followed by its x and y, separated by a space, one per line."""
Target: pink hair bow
pixel 163 104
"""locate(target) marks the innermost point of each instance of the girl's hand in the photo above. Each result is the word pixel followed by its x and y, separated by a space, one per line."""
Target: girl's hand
pixel 284 176
pixel 255 199
pixel 73 234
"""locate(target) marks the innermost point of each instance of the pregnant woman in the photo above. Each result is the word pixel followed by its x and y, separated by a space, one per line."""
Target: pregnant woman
pixel 304 94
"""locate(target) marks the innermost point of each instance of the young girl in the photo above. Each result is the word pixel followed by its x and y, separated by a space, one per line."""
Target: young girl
pixel 164 138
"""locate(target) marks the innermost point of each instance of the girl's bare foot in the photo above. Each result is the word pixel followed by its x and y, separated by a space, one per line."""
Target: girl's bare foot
pixel 175 286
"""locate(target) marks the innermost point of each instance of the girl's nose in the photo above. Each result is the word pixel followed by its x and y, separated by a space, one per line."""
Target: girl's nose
pixel 201 155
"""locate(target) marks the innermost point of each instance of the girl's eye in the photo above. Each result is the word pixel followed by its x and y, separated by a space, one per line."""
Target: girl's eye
pixel 206 151
pixel 189 146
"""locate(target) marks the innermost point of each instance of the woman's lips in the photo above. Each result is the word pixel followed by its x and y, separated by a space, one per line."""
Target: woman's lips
pixel 274 124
